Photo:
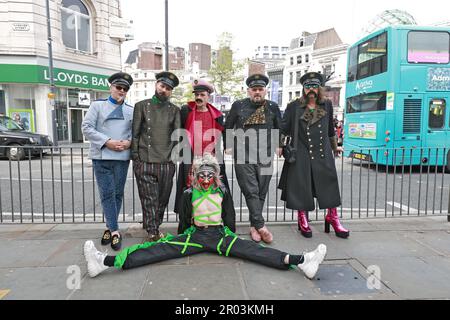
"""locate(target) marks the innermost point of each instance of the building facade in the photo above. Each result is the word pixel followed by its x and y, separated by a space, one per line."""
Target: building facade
pixel 268 53
pixel 275 87
pixel 85 54
pixel 150 56
pixel 200 56
pixel 322 52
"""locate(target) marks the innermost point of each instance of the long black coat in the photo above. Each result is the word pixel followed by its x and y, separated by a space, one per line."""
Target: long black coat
pixel 314 172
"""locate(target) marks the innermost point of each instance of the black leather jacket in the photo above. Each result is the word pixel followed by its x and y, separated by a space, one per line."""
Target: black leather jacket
pixel 240 111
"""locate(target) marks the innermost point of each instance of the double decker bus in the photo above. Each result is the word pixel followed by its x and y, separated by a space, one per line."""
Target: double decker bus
pixel 398 97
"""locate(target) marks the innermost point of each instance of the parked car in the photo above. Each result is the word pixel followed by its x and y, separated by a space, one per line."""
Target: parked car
pixel 15 137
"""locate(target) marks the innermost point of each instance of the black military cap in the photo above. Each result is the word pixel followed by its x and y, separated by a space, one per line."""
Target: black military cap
pixel 121 78
pixel 312 78
pixel 257 80
pixel 167 78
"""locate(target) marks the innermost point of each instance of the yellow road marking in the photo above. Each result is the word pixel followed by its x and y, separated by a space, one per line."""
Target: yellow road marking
pixel 3 293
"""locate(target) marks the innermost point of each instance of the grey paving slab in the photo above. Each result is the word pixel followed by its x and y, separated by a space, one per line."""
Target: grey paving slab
pixel 68 234
pixel 384 244
pixel 68 253
pixel 26 253
pixel 412 277
pixel 263 283
pixel 112 284
pixel 14 227
pixel 413 254
pixel 38 283
pixel 10 235
pixel 194 282
pixel 438 241
pixel 411 223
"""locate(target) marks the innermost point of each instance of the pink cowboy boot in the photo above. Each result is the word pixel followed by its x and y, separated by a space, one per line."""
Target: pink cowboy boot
pixel 333 219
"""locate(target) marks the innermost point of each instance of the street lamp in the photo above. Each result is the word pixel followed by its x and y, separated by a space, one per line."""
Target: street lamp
pixel 51 95
pixel 167 35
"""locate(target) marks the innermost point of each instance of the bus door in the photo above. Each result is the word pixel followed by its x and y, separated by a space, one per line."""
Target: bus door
pixel 436 129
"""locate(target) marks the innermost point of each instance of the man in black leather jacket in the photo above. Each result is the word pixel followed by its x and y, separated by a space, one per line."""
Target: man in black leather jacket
pixel 252 128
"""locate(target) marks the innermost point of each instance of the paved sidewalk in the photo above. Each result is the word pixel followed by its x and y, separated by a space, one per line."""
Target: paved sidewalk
pixel 411 257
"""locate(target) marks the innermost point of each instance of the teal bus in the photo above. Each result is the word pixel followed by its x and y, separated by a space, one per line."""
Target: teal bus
pixel 398 97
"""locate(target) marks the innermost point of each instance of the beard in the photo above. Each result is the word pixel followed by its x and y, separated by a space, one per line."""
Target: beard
pixel 259 102
pixel 161 97
pixel 311 96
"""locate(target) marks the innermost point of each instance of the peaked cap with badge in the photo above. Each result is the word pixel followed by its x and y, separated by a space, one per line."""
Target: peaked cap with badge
pixel 257 80
pixel 202 85
pixel 121 78
pixel 312 78
pixel 167 78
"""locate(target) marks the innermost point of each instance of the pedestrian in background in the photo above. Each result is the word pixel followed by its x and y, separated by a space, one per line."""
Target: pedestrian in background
pixel 107 126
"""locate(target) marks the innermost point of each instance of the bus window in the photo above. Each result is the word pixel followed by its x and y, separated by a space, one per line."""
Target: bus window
pixel 437 114
pixel 367 102
pixel 372 56
pixel 428 47
pixel 352 64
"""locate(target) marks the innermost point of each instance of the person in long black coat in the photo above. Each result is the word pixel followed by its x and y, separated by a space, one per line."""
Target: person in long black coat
pixel 313 174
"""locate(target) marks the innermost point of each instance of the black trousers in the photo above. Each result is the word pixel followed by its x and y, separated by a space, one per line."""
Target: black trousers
pixel 212 239
pixel 154 181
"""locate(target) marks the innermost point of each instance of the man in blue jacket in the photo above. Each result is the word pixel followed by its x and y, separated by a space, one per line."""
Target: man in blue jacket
pixel 107 126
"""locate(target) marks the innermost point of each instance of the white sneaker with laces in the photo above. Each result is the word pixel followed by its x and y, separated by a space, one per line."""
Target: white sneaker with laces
pixel 312 260
pixel 94 259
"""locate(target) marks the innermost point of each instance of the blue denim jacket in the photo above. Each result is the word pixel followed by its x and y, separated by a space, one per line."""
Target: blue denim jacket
pixel 107 120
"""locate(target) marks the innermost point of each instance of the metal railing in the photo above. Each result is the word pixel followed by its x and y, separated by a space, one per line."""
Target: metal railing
pixel 60 187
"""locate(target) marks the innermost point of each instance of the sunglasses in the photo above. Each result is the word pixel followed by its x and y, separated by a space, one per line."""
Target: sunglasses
pixel 120 88
pixel 311 86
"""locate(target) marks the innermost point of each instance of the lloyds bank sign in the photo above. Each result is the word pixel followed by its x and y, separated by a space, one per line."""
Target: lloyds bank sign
pixel 17 73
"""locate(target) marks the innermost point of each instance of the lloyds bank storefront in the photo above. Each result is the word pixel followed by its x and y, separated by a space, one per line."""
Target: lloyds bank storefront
pixel 24 92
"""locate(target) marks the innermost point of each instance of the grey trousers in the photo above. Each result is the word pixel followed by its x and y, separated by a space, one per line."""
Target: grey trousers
pixel 254 180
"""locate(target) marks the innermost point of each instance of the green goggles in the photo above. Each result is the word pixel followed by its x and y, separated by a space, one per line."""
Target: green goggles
pixel 311 86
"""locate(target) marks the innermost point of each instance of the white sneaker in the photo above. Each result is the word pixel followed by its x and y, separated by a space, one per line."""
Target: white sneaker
pixel 94 259
pixel 312 261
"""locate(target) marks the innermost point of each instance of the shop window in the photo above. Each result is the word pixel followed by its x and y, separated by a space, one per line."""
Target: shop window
pixel 76 25
pixel 21 106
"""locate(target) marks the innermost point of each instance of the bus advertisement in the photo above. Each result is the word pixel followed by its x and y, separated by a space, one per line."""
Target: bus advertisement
pixel 397 97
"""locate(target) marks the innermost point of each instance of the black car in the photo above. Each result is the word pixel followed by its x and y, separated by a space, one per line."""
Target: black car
pixel 14 136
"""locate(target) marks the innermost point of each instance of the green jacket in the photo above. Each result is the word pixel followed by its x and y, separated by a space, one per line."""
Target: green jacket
pixel 153 124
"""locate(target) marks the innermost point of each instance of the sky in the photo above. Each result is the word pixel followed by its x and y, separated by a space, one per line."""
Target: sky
pixel 255 23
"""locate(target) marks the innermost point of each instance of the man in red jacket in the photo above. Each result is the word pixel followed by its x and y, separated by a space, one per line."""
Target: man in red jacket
pixel 204 127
